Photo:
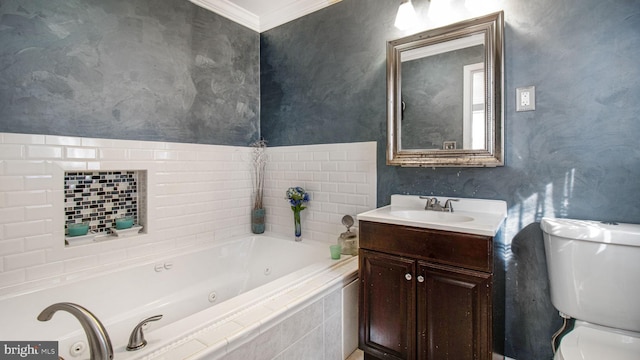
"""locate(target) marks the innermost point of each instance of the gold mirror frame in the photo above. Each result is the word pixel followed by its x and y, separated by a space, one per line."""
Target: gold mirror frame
pixel 492 28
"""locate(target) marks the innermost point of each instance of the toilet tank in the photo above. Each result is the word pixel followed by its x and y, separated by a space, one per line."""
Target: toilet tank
pixel 594 271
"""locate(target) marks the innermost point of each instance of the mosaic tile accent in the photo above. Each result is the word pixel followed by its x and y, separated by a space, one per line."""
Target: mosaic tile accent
pixel 100 198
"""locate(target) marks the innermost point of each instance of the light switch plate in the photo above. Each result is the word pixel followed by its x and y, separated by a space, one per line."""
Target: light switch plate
pixel 526 98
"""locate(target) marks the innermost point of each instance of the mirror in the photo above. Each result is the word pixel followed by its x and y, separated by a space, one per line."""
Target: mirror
pixel 444 96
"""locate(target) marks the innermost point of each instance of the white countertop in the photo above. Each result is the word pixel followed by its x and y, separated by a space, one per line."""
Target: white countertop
pixel 471 216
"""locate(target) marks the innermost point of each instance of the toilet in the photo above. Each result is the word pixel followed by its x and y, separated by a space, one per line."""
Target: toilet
pixel 594 277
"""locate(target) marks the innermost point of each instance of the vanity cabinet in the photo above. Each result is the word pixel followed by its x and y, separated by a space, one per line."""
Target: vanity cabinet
pixel 424 294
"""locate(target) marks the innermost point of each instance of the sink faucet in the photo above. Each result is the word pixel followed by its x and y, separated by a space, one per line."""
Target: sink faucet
pixel 434 204
pixel 99 342
pixel 448 206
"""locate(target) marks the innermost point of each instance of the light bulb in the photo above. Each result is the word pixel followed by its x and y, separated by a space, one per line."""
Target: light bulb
pixel 407 17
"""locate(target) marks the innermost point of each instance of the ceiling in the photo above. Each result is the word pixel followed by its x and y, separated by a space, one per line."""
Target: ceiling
pixel 262 15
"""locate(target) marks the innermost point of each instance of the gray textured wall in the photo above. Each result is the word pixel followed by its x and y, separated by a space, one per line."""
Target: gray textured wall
pixel 577 155
pixel 143 69
pixel 432 89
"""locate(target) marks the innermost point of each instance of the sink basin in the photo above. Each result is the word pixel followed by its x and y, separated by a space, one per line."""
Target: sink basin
pixel 471 216
pixel 431 216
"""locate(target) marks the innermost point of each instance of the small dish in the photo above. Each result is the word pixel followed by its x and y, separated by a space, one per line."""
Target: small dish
pixel 124 223
pixel 134 230
pixel 80 240
pixel 77 229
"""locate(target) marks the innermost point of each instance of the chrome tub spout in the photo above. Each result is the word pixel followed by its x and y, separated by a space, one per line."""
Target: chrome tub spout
pixel 99 342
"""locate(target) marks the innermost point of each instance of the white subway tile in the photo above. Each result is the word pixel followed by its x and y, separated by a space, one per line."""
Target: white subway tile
pixel 329 166
pixel 207 187
pixel 63 140
pixel 80 153
pixel 312 166
pixel 46 241
pixel 113 154
pixel 140 154
pixel 31 167
pixel 338 177
pixel 80 263
pixel 98 143
pixel 9 138
pixel 337 155
pixel 38 152
pixel 24 260
pixel 44 271
pixel 9 247
pixel 347 188
pixel 39 212
pixel 321 156
pixel 25 198
pixel 11 183
pixel 305 176
pixel 72 165
pixel 360 178
pixel 12 277
pixel 165 155
pixel 11 215
pixel 187 156
pixel 12 151
pixel 26 228
pixel 359 155
pixel 38 182
pixel 305 156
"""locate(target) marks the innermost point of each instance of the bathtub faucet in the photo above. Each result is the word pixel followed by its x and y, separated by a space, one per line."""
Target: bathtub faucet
pixel 136 339
pixel 99 342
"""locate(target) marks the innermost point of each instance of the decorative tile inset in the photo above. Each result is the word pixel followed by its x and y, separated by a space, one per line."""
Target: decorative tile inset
pixel 100 197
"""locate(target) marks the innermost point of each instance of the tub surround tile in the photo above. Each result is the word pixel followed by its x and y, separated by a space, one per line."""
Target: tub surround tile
pixel 196 194
pixel 276 327
pixel 310 347
pixel 217 336
pixel 264 346
pixel 333 337
pixel 184 351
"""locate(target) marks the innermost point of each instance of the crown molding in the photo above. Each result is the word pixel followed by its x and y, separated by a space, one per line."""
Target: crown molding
pixel 232 12
pixel 291 12
pixel 267 21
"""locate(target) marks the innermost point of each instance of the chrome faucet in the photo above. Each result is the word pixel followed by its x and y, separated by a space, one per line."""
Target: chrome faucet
pixel 99 342
pixel 448 206
pixel 136 340
pixel 434 204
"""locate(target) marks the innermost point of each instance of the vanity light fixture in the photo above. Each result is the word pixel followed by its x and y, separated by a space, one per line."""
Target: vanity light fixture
pixel 406 17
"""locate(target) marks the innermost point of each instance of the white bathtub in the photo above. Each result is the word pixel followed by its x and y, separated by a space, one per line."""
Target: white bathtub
pixel 215 301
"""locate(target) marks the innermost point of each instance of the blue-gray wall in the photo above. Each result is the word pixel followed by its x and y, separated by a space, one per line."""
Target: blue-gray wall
pixel 143 70
pixel 577 155
pixel 170 71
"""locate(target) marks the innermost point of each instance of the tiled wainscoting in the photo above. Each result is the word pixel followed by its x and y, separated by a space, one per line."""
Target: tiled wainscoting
pixel 196 194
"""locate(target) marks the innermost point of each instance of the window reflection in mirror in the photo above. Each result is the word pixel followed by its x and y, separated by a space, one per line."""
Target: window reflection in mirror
pixel 434 89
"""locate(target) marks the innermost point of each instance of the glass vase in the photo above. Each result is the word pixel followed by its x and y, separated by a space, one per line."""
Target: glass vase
pixel 257 221
pixel 296 224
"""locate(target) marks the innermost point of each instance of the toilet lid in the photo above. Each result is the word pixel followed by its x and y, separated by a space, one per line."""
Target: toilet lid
pixel 587 343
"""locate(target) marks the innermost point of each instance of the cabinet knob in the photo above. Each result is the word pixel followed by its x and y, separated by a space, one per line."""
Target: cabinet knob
pixel 420 278
pixel 408 276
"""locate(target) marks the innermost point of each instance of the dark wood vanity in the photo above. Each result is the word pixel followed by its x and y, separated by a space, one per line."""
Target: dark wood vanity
pixel 424 294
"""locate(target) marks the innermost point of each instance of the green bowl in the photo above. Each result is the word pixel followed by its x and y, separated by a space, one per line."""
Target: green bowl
pixel 124 223
pixel 78 229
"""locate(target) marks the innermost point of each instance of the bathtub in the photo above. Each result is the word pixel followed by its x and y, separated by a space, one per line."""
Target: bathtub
pixel 241 297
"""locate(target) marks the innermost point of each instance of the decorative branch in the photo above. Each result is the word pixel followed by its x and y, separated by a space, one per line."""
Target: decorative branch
pixel 259 162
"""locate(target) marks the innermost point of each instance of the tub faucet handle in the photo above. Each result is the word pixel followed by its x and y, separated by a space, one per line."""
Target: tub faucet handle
pixel 136 340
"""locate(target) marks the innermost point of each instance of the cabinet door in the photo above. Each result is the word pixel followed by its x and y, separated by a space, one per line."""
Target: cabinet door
pixel 454 313
pixel 387 306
